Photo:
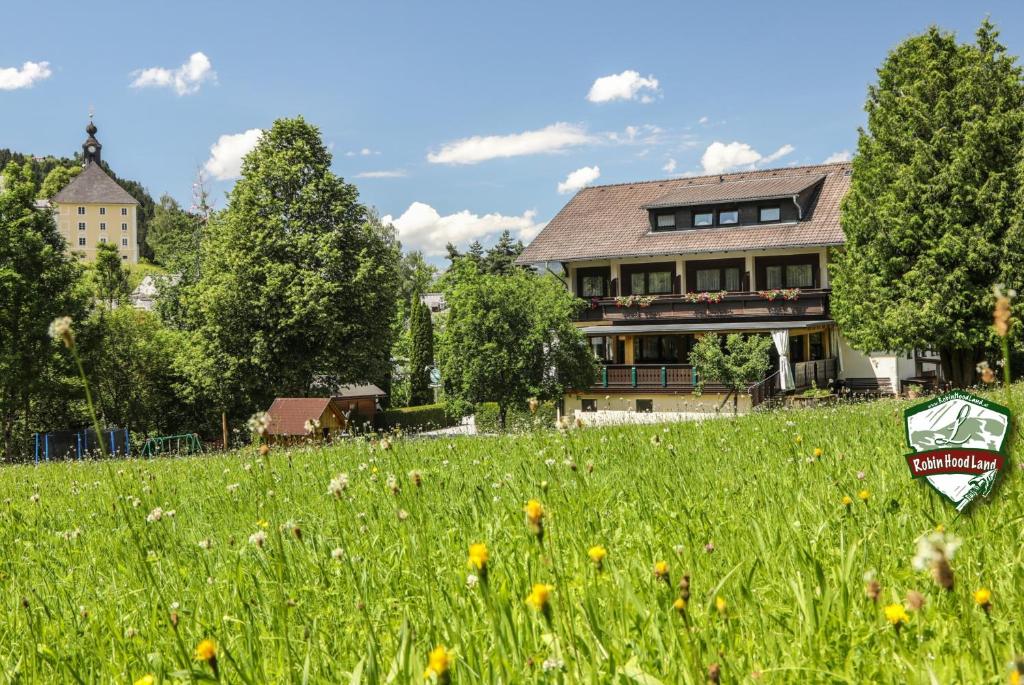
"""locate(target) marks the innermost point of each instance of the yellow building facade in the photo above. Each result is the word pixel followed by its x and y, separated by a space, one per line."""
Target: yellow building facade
pixel 93 209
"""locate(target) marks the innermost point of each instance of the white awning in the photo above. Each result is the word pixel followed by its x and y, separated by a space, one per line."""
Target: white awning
pixel 710 326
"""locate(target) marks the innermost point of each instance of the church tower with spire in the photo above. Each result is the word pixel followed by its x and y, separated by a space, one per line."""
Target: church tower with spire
pixel 93 209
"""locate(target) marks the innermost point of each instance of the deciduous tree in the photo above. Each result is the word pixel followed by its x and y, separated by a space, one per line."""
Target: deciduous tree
pixel 743 360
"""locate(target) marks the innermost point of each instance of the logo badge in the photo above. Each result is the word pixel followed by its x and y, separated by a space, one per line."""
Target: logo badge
pixel 958 442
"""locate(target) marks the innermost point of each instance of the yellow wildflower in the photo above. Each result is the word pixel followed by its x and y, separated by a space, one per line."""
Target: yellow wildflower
pixel 478 557
pixel 818 452
pixel 940 528
pixel 864 495
pixel 145 680
pixel 661 571
pixel 679 605
pixel 540 597
pixel 439 662
pixel 798 440
pixel 597 553
pixel 535 518
pixel 896 614
pixel 206 651
pixel 720 604
pixel 847 500
pixel 983 598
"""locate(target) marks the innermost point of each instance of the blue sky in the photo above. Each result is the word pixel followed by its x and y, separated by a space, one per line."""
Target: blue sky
pixel 458 119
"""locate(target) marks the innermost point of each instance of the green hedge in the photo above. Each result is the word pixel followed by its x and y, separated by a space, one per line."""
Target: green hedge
pixel 517 420
pixel 422 418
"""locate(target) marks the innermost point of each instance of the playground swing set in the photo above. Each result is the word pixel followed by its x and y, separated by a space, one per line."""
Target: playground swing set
pixel 117 442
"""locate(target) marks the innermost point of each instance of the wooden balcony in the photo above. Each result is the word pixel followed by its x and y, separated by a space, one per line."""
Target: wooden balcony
pixel 734 306
pixel 680 378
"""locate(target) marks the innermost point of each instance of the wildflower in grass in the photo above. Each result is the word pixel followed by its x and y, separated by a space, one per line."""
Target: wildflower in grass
pixel 871 587
pixel 985 372
pixel 233 486
pixel 539 599
pixel 402 514
pixel 416 477
pixel 337 553
pixel 714 673
pixel 709 547
pixel 915 600
pixel 259 423
pixel 34 499
pixel 259 538
pixel 392 484
pixel 1001 314
pixel 145 680
pixel 847 501
pixel 863 495
pixel 655 440
pixel 861 475
pixel 679 605
pixel 720 605
pixel 338 485
pixel 478 557
pixel 60 329
pixel 934 552
pixel 535 518
pixel 552 663
pixel 155 515
pixel 896 615
pixel 205 543
pixel 1017 671
pixel 798 439
pixel 818 452
pixel 983 598
pixel 597 553
pixel 439 663
pixel 661 571
pixel 472 580
pixel 384 444
pixel 206 651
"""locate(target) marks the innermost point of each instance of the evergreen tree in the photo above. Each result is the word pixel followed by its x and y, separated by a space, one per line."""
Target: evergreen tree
pixel 928 219
pixel 297 282
pixel 37 284
pixel 501 257
pixel 421 357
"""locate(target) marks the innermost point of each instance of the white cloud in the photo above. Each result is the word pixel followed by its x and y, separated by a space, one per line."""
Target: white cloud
pixel 644 134
pixel 186 79
pixel 478 149
pixel 365 152
pixel 421 227
pixel 721 157
pixel 625 86
pixel 392 173
pixel 670 166
pixel 583 176
pixel 226 154
pixel 703 120
pixel 841 156
pixel 13 78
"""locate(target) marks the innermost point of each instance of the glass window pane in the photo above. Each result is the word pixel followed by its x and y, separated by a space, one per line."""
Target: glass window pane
pixel 666 221
pixel 636 284
pixel 708 279
pixel 769 213
pixel 592 286
pixel 799 276
pixel 659 282
pixel 703 219
pixel 730 217
pixel 773 277
pixel 669 350
pixel 650 348
pixel 732 278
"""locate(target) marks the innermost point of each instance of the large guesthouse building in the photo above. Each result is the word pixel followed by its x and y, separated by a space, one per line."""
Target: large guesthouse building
pixel 660 263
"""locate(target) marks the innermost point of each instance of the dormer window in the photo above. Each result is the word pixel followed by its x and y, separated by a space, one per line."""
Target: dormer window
pixel 704 219
pixel 666 221
pixel 728 217
pixel 768 214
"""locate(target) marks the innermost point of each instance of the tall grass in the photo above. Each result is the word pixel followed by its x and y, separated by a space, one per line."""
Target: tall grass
pixel 361 587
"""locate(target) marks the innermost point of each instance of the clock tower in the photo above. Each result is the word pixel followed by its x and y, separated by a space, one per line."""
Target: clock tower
pixel 91 147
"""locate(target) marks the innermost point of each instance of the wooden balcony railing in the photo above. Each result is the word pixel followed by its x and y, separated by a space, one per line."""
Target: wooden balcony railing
pixel 734 305
pixel 819 372
pixel 682 378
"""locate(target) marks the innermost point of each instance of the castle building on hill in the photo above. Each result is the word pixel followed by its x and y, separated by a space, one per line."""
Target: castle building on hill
pixel 94 209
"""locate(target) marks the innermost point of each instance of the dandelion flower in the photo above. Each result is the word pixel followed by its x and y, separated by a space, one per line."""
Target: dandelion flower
pixel 478 557
pixel 1001 314
pixel 720 604
pixel 259 538
pixel 337 553
pixel 535 518
pixel 539 598
pixel 863 495
pixel 847 501
pixel 597 553
pixel 259 423
pixel 60 329
pixel 679 605
pixel 145 680
pixel 983 598
pixel 896 615
pixel 338 485
pixel 661 571
pixel 439 662
pixel 818 452
pixel 384 444
pixel 206 651
pixel 155 515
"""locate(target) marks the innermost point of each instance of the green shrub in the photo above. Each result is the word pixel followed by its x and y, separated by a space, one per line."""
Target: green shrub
pixel 518 420
pixel 422 418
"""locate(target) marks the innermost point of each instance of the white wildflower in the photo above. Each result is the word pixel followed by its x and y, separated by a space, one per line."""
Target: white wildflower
pixel 338 485
pixel 258 538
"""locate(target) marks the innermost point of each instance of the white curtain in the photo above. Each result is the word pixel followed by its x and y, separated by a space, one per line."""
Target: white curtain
pixel 781 339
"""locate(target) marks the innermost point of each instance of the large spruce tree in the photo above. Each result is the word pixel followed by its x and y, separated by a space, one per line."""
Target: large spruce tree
pixel 297 284
pixel 928 219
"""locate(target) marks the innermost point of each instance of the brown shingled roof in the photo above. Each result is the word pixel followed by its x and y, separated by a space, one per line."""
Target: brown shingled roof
pixel 288 415
pixel 93 185
pixel 612 221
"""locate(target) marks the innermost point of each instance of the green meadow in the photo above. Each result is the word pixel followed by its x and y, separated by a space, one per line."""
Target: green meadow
pixel 116 571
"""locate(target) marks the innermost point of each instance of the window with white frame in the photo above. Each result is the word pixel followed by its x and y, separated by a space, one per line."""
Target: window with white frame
pixel 81 211
pixel 124 241
pixel 103 226
pixel 81 242
pixel 704 219
pixel 81 225
pixel 124 227
pixel 769 214
pixel 727 217
pixel 124 211
pixel 103 210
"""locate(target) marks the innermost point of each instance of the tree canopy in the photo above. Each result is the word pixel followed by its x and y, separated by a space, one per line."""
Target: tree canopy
pixel 929 219
pixel 509 338
pixel 743 360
